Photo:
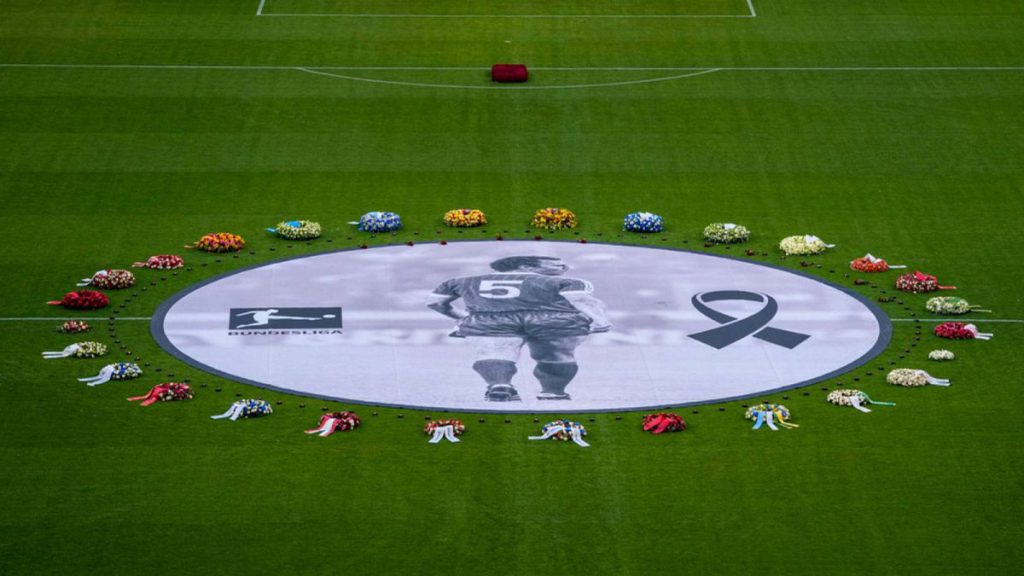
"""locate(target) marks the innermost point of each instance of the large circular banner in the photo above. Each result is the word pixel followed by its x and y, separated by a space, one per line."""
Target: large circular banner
pixel 521 326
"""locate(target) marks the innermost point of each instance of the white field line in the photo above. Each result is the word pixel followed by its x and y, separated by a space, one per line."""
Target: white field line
pixel 489 87
pixel 260 12
pixel 545 68
pixel 93 319
pixel 960 319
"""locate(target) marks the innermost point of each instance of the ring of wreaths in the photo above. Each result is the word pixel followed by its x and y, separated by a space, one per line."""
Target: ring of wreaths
pixel 298 230
pixel 82 300
pixel 663 422
pixel 726 233
pixel 643 222
pixel 379 221
pixel 161 262
pixel 457 426
pixel 74 327
pixel 464 218
pixel 112 279
pixel 554 219
pixel 218 242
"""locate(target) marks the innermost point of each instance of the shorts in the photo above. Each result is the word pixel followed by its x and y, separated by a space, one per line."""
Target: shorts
pixel 540 325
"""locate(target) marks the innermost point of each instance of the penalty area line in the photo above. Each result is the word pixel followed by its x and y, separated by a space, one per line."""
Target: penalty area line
pixel 261 11
pixel 475 87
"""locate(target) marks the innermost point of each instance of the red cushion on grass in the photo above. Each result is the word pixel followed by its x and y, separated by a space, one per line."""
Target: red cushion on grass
pixel 509 73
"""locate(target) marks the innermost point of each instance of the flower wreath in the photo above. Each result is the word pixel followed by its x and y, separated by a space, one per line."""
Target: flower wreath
pixel 563 430
pixel 554 219
pixel 769 414
pixel 913 378
pixel 219 242
pixel 82 300
pixel 941 355
pixel 643 222
pixel 960 331
pixel 803 245
pixel 109 279
pixel 869 263
pixel 464 218
pixel 855 398
pixel 918 282
pixel 166 392
pixel 248 408
pixel 950 306
pixel 449 429
pixel 297 230
pixel 379 222
pixel 161 262
pixel 663 422
pixel 335 422
pixel 726 233
pixel 119 371
pixel 78 350
pixel 74 327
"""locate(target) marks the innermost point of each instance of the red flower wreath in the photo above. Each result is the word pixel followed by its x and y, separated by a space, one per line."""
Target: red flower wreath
pixel 166 392
pixel 110 280
pixel 457 426
pixel 663 422
pixel 919 282
pixel 74 327
pixel 960 331
pixel 82 300
pixel 336 422
pixel 161 262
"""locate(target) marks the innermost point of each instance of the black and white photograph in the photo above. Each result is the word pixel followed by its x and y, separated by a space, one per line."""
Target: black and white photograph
pixel 521 326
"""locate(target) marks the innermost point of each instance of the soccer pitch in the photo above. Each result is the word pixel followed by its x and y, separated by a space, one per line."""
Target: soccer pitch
pixel 130 128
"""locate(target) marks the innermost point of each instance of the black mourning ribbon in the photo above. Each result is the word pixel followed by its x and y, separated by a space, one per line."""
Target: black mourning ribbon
pixel 733 329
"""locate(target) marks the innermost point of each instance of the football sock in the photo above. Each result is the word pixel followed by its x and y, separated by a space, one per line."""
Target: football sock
pixel 495 371
pixel 555 376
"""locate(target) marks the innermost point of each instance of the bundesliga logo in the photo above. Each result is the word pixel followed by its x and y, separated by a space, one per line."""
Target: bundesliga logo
pixel 284 318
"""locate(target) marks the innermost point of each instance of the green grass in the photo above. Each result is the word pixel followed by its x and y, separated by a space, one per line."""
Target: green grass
pixel 103 167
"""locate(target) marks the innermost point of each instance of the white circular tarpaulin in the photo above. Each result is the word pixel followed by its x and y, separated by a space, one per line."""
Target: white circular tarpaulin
pixel 626 327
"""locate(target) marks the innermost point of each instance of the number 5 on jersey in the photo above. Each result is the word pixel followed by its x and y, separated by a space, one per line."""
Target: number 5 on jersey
pixel 499 289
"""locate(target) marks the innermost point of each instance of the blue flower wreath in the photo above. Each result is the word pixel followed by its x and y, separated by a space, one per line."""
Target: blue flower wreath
pixel 125 371
pixel 643 222
pixel 379 222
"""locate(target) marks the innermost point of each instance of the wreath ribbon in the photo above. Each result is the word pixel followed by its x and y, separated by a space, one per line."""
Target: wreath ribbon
pixel 443 432
pixel 102 378
pixel 68 351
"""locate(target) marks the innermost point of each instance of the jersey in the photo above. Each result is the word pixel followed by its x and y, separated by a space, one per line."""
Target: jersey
pixel 514 292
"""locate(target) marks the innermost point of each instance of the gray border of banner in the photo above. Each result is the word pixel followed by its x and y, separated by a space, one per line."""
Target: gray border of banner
pixel 884 337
